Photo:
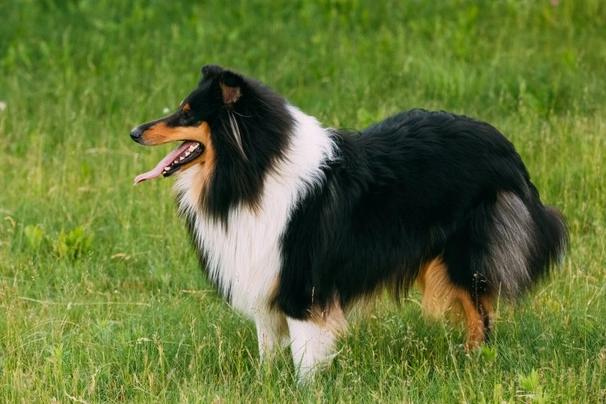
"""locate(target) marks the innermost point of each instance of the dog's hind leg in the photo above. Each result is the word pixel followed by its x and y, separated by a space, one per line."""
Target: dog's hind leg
pixel 487 311
pixel 475 318
pixel 441 296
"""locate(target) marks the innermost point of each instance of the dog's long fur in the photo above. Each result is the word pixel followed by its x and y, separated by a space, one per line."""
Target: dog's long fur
pixel 294 222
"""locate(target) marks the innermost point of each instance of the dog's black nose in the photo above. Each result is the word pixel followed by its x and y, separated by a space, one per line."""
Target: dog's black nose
pixel 136 133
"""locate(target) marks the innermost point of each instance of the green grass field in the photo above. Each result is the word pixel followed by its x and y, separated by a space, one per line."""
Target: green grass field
pixel 101 299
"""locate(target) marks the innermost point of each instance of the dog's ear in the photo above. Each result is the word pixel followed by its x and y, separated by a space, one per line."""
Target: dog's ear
pixel 231 87
pixel 210 71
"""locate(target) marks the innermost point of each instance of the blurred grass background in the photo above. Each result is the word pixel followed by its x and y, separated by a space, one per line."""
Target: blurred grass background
pixel 101 299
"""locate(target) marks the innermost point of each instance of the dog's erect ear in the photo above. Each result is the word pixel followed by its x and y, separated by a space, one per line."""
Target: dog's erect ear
pixel 230 82
pixel 231 87
pixel 211 71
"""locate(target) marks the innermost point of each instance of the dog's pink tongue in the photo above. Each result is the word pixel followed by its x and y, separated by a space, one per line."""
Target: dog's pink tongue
pixel 159 168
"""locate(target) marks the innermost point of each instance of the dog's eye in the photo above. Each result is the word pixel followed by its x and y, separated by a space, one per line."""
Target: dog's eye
pixel 185 116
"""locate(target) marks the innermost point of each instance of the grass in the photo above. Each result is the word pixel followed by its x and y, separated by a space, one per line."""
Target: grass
pixel 101 299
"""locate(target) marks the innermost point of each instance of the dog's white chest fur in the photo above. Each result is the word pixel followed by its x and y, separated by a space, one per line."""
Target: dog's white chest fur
pixel 244 257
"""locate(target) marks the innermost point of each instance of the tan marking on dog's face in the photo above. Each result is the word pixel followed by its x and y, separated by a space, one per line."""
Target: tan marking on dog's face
pixel 199 183
pixel 161 133
pixel 207 163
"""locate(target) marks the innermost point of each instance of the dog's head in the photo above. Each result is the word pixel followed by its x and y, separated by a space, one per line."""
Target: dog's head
pixel 192 123
pixel 231 127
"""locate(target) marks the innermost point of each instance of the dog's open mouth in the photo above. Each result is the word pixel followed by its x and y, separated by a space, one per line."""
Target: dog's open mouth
pixel 170 164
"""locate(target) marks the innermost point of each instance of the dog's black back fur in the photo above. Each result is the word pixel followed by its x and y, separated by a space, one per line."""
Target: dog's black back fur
pixel 414 187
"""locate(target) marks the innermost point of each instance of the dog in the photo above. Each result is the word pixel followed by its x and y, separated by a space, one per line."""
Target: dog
pixel 294 223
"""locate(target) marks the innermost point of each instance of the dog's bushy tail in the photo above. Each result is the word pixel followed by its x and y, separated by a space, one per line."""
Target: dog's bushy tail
pixel 551 241
pixel 525 241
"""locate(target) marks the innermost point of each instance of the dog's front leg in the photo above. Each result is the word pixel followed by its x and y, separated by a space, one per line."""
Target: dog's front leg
pixel 312 345
pixel 272 333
